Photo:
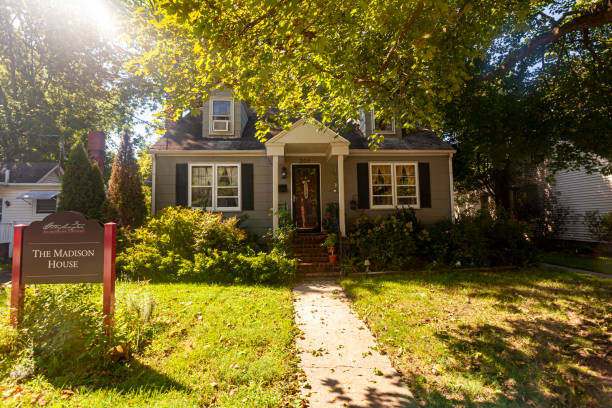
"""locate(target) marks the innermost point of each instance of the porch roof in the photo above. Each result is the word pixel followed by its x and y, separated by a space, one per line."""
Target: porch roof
pixel 307 136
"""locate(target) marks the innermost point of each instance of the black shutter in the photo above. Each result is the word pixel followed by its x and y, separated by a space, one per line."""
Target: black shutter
pixel 181 184
pixel 363 186
pixel 248 190
pixel 424 185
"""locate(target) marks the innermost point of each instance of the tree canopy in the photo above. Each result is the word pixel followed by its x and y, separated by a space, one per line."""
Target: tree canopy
pixel 58 76
pixel 409 58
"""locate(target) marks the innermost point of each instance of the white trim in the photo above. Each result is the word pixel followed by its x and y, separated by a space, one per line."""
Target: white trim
pixel 398 152
pixel 320 191
pixel 214 186
pixel 231 130
pixel 241 153
pixel 34 184
pixel 153 182
pixel 245 153
pixel 51 171
pixel 394 185
pixel 381 132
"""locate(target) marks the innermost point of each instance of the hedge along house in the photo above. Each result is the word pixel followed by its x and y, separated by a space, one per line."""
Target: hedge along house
pixel 214 161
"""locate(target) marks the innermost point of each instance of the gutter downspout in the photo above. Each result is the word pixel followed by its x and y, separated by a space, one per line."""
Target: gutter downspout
pixel 7 174
pixel 153 180
pixel 451 187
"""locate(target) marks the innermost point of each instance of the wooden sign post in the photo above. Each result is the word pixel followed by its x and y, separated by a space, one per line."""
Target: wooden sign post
pixel 65 247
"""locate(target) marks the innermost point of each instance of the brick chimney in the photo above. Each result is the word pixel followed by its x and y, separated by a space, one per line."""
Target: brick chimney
pixel 96 145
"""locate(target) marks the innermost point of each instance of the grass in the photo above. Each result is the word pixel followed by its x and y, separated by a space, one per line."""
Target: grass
pixel 529 338
pixel 227 346
pixel 589 263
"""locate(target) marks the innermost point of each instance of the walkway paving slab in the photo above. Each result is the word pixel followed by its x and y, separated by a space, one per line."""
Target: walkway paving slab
pixel 340 356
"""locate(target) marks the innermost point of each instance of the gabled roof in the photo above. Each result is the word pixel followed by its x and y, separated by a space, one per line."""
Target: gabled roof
pixel 186 134
pixel 293 134
pixel 26 172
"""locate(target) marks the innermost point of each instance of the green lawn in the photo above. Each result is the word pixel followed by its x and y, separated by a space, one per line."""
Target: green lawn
pixel 589 263
pixel 529 338
pixel 227 346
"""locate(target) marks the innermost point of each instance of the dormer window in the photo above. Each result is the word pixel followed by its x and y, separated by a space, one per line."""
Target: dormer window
pixel 382 126
pixel 222 116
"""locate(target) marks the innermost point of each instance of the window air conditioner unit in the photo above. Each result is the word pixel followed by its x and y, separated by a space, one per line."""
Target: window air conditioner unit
pixel 221 125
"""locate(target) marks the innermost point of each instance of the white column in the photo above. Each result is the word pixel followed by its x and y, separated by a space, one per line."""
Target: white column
pixel 341 219
pixel 275 193
pixel 451 187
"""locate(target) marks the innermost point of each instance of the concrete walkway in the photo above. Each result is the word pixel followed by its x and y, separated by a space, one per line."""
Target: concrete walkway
pixel 567 268
pixel 339 354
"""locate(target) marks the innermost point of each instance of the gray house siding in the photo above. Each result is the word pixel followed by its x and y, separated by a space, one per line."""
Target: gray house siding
pixel 259 219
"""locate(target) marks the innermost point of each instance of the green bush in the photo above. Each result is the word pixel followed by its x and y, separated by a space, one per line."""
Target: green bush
pixel 481 240
pixel 390 243
pixel 228 267
pixel 186 244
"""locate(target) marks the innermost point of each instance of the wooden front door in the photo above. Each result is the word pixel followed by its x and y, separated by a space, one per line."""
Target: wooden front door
pixel 306 197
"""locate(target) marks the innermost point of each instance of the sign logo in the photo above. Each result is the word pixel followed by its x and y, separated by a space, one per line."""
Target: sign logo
pixel 53 228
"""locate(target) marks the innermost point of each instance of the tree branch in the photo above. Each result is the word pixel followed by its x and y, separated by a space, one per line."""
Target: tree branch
pixel 596 16
pixel 413 17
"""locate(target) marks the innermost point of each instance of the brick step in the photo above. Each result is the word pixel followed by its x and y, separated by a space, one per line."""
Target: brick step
pixel 312 258
pixel 332 275
pixel 319 267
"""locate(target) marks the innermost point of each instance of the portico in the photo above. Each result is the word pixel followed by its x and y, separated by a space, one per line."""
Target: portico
pixel 304 145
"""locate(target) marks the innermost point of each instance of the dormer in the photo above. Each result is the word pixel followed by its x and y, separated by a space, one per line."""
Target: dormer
pixel 223 116
pixel 370 125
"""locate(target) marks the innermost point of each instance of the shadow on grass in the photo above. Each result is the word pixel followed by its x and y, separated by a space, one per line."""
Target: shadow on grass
pixel 122 378
pixel 533 360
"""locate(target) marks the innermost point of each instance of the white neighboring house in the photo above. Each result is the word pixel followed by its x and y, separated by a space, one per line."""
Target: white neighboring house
pixel 581 192
pixel 28 192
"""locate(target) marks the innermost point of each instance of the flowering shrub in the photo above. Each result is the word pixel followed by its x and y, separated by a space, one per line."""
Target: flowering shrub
pixel 182 243
pixel 390 243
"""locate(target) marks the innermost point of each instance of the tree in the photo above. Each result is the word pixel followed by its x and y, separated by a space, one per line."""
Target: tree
pixel 307 57
pixel 58 76
pixel 82 186
pixel 126 199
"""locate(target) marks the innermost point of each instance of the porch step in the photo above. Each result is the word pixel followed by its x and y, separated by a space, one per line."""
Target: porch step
pixel 314 261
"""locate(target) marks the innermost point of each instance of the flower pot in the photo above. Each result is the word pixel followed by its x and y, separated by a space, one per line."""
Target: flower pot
pixel 332 258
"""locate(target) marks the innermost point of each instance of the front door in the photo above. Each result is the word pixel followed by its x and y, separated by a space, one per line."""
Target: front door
pixel 306 197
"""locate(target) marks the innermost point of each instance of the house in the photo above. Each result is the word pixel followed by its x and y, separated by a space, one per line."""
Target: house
pixel 28 192
pixel 581 192
pixel 214 161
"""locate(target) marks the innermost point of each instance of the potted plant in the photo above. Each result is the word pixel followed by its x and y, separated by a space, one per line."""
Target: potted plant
pixel 325 225
pixel 330 244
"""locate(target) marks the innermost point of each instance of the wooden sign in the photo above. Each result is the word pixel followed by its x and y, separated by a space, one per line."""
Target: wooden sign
pixel 65 247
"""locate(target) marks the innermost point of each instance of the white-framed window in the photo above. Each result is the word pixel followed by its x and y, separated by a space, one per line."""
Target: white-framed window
pixel 394 185
pixel 381 126
pixel 221 117
pixel 214 186
pixel 46 206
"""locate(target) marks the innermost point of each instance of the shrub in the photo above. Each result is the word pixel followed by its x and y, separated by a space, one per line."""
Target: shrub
pixel 185 244
pixel 600 226
pixel 390 243
pixel 481 240
pixel 228 267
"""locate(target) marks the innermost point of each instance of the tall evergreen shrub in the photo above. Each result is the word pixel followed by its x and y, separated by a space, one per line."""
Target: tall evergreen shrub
pixel 82 186
pixel 125 196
